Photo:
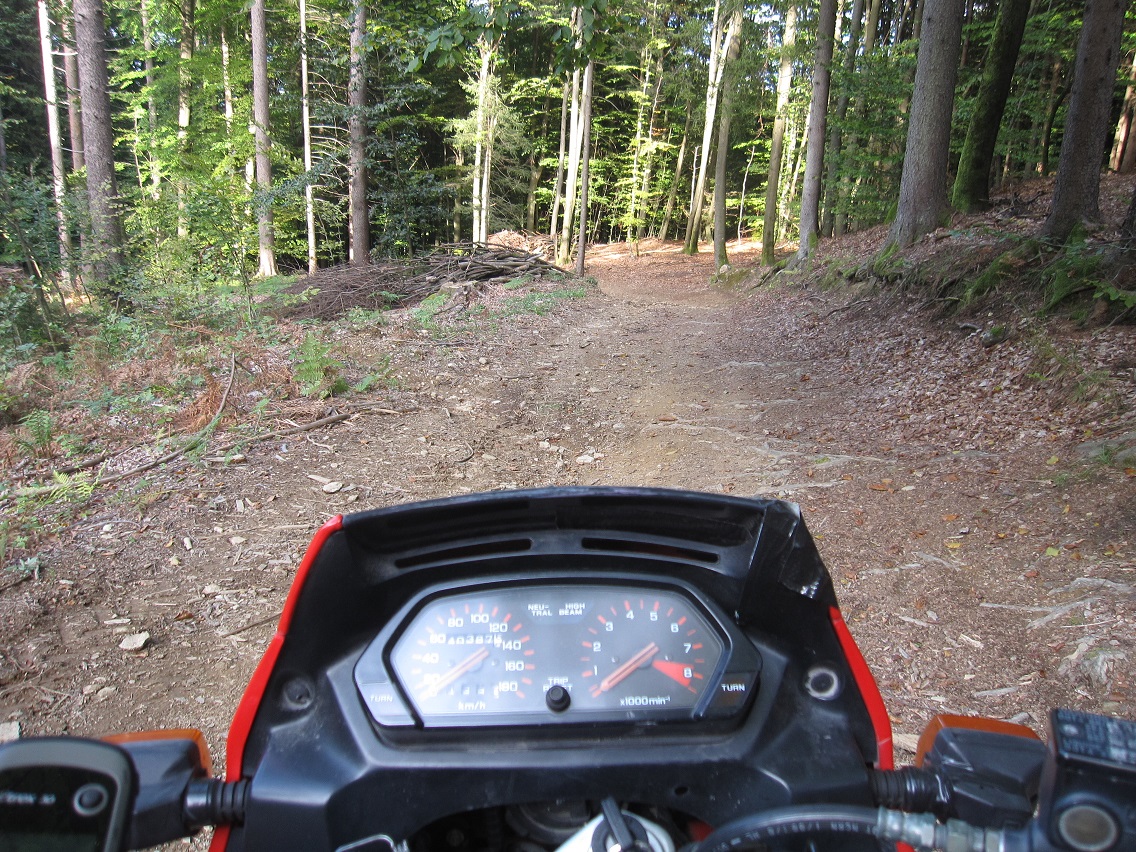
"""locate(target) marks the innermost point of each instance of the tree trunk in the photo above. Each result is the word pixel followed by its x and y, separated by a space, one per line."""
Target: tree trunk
pixel 585 156
pixel 719 42
pixel 564 248
pixel 559 186
pixel 836 142
pixel 972 183
pixel 187 10
pixel 784 83
pixel 54 135
pixel 486 171
pixel 1057 95
pixel 669 211
pixel 260 117
pixel 648 165
pixel 151 103
pixel 923 184
pixel 356 128
pixel 477 201
pixel 742 200
pixel 818 130
pixel 844 190
pixel 71 76
pixel 306 119
pixel 1123 157
pixel 723 147
pixel 105 245
pixel 1076 196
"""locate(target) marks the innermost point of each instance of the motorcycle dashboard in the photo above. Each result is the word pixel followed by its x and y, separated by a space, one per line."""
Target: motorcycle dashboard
pixel 522 652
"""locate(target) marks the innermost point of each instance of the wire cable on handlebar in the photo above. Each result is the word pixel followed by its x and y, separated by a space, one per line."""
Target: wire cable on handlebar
pixel 922 831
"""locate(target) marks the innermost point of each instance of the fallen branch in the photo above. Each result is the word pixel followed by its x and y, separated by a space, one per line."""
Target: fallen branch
pixel 256 623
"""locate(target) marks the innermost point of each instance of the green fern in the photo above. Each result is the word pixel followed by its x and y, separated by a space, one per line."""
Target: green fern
pixel 40 426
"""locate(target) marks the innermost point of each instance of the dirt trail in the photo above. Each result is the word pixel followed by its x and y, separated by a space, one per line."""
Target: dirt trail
pixel 973 582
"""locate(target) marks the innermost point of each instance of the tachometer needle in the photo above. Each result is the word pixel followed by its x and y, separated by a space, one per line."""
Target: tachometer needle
pixel 457 671
pixel 620 674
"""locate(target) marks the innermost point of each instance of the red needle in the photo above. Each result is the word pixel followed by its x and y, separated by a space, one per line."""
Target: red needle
pixel 620 674
pixel 672 670
pixel 457 671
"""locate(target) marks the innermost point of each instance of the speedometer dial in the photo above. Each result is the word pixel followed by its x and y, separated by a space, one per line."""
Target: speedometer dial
pixel 466 656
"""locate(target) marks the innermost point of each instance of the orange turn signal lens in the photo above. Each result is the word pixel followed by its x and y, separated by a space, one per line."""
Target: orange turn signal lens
pixel 973 723
pixel 192 734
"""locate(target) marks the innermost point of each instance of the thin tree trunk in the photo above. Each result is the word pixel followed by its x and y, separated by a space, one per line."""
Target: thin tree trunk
pixel 719 42
pixel 742 200
pixel 564 249
pixel 836 139
pixel 306 118
pixel 586 118
pixel 266 236
pixel 356 128
pixel 1057 95
pixel 187 10
pixel 784 83
pixel 840 219
pixel 666 226
pixel 486 172
pixel 559 186
pixel 477 202
pixel 54 136
pixel 105 246
pixel 818 130
pixel 648 165
pixel 727 95
pixel 972 182
pixel 71 76
pixel 536 170
pixel 152 162
pixel 1123 157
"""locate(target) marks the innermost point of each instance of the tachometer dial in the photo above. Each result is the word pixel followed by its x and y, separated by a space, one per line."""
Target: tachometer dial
pixel 644 649
pixel 466 657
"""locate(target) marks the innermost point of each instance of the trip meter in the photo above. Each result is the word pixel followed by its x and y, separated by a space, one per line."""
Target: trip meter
pixel 549 653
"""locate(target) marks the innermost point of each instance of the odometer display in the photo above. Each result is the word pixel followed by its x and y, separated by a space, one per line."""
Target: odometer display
pixel 467 654
pixel 491 656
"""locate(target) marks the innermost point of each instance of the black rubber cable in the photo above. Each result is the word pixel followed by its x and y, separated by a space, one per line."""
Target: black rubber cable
pixel 790 822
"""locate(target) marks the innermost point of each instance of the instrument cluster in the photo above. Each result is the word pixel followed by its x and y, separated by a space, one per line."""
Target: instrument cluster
pixel 556 652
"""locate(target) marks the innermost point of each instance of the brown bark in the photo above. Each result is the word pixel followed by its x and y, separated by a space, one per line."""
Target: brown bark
pixel 1077 194
pixel 784 83
pixel 104 248
pixel 357 97
pixel 818 130
pixel 923 184
pixel 71 77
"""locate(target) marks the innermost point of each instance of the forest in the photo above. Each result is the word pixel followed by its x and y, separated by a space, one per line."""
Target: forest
pixel 191 145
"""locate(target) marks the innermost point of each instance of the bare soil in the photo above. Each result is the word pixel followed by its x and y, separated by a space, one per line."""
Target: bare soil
pixel 982 539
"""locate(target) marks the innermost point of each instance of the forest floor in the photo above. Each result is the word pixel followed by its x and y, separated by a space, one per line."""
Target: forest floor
pixel 970 479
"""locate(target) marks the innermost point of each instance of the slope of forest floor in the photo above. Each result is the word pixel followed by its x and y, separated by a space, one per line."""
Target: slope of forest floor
pixel 970 478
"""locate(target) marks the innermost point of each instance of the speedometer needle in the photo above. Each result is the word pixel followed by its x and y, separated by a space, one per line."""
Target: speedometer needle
pixel 457 671
pixel 621 674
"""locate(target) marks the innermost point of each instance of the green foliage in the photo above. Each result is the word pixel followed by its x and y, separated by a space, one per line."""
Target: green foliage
pixel 40 427
pixel 319 374
pixel 540 302
pixel 425 311
pixel 383 375
pixel 1081 266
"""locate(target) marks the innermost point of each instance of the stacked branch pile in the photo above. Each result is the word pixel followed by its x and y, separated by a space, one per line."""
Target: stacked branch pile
pixel 457 268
